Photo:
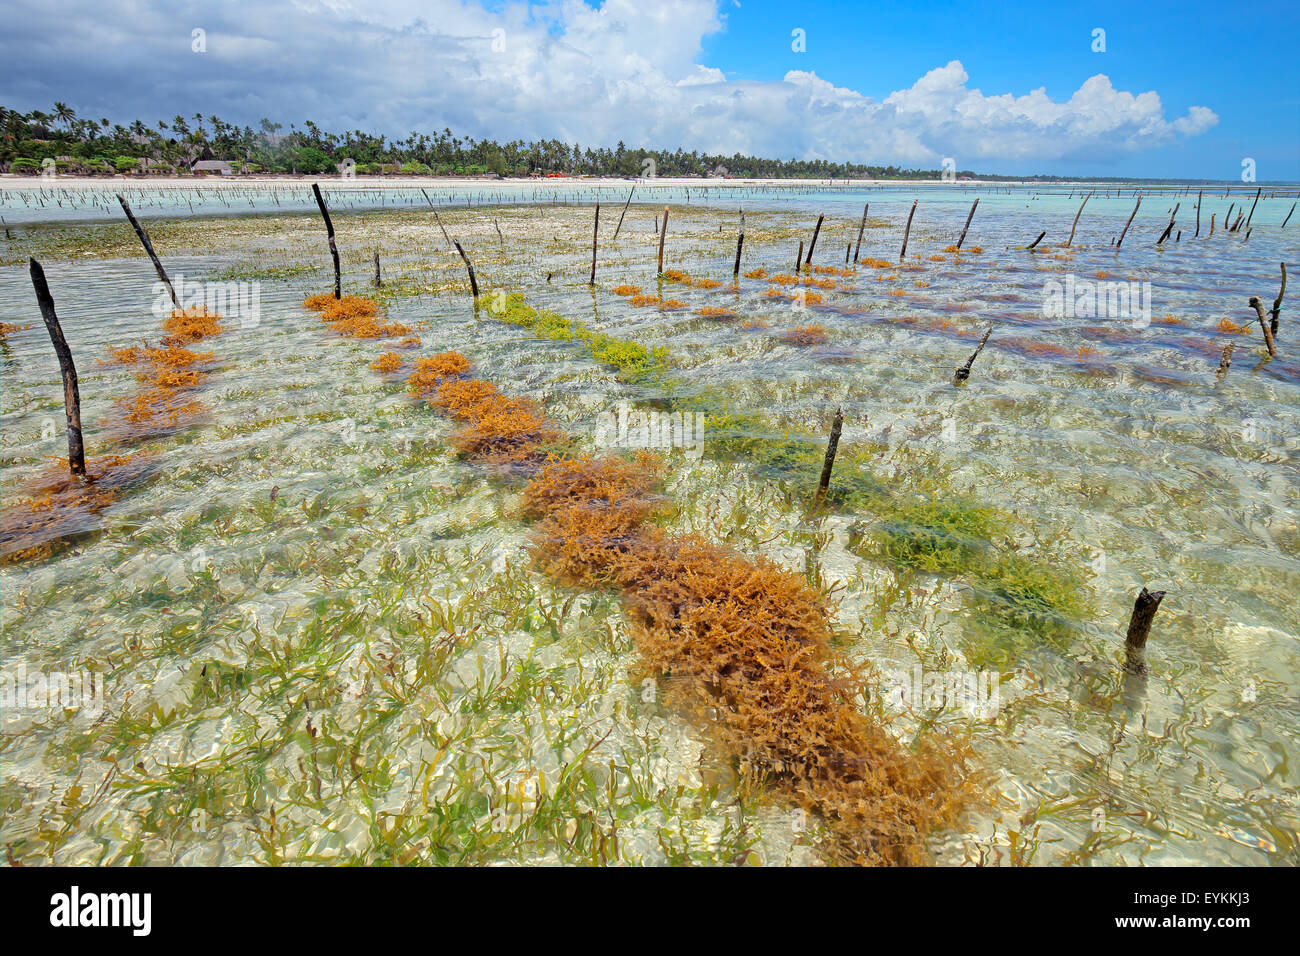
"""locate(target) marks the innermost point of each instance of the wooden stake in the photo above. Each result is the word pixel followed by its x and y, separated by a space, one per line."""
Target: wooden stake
pixel 71 397
pixel 740 243
pixel 1038 240
pixel 963 373
pixel 1258 189
pixel 148 247
pixel 1169 228
pixel 861 226
pixel 624 212
pixel 902 254
pixel 1076 219
pixel 1198 213
pixel 1226 359
pixel 1263 324
pixel 595 233
pixel 1277 303
pixel 1288 216
pixel 436 218
pixel 1139 626
pixel 329 231
pixel 662 234
pixel 473 282
pixel 829 463
pixel 798 258
pixel 379 282
pixel 813 244
pixel 971 215
pixel 1129 223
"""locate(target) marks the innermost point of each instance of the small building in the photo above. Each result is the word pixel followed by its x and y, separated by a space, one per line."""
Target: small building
pixel 205 166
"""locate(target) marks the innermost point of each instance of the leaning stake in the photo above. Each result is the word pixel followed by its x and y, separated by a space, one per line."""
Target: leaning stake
pixel 963 373
pixel 1263 324
pixel 148 247
pixel 813 244
pixel 1129 223
pixel 1277 303
pixel 473 282
pixel 329 231
pixel 740 243
pixel 662 233
pixel 969 216
pixel 831 448
pixel 862 226
pixel 907 232
pixel 71 397
pixel 1139 626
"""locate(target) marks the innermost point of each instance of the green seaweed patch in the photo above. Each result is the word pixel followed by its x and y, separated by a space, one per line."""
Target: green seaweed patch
pixel 937 536
pixel 1020 603
pixel 635 362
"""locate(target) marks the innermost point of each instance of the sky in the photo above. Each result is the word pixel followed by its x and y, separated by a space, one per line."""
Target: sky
pixel 1190 89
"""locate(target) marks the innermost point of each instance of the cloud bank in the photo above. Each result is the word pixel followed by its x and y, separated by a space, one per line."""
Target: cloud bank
pixel 624 71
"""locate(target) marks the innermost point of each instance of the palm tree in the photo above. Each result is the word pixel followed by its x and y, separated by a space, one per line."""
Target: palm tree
pixel 63 113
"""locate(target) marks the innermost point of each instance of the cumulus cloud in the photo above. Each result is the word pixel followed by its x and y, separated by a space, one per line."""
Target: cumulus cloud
pixel 624 70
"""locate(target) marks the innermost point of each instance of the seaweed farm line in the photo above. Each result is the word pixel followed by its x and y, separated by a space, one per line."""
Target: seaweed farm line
pixel 327 620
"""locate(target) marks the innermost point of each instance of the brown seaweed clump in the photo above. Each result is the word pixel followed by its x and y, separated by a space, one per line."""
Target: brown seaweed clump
pixel 753 642
pixel 354 316
pixel 61 507
pixel 805 335
pixel 167 373
pixel 496 428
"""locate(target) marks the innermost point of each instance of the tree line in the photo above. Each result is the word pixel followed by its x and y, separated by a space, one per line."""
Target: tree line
pixel 95 146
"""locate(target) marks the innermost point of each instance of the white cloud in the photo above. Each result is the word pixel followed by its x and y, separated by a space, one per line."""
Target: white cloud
pixel 626 70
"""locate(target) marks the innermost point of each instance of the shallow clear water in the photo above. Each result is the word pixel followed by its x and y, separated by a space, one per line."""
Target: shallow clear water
pixel 292 652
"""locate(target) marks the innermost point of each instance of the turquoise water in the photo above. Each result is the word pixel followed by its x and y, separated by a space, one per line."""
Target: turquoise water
pixel 1120 453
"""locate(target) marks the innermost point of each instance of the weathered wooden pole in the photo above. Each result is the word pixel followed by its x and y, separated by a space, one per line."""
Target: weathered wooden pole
pixel 379 281
pixel 902 254
pixel 1198 213
pixel 436 217
pixel 148 247
pixel 71 397
pixel 969 216
pixel 1253 205
pixel 861 227
pixel 329 231
pixel 1263 324
pixel 963 372
pixel 740 243
pixel 595 234
pixel 1288 216
pixel 798 258
pixel 1169 228
pixel 828 464
pixel 1129 223
pixel 624 212
pixel 813 244
pixel 1277 303
pixel 1076 219
pixel 1038 240
pixel 1225 360
pixel 473 282
pixel 662 234
pixel 1139 626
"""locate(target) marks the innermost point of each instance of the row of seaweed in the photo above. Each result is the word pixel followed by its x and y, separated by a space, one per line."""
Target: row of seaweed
pixel 60 507
pixel 748 645
pixel 1016 601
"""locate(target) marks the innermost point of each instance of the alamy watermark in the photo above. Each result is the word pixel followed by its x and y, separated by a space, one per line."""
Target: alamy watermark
pixel 21 690
pixel 975 693
pixel 233 300
pixel 627 427
pixel 1077 298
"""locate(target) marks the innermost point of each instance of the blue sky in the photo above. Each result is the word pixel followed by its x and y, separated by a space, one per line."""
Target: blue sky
pixel 1240 60
pixel 1187 89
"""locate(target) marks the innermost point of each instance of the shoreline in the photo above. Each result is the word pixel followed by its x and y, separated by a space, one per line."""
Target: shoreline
pixel 35 183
